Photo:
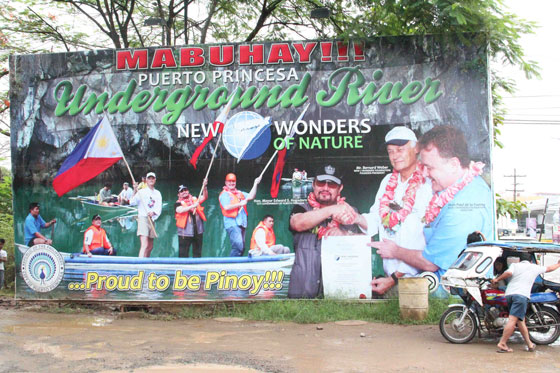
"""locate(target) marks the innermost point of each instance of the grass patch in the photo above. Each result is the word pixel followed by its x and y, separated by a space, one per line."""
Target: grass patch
pixel 298 311
pixel 314 311
pixel 7 292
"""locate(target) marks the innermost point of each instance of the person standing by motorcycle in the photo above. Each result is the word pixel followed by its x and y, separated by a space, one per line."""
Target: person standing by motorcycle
pixel 518 292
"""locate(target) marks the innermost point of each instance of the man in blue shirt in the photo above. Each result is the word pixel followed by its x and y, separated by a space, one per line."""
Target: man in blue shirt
pixel 233 203
pixel 462 202
pixel 33 225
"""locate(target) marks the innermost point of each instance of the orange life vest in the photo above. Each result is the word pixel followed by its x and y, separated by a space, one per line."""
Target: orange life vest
pixel 270 237
pixel 99 238
pixel 234 199
pixel 182 217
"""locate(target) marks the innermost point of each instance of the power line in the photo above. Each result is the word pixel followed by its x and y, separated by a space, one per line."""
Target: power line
pixel 536 108
pixel 531 96
pixel 533 115
pixel 533 122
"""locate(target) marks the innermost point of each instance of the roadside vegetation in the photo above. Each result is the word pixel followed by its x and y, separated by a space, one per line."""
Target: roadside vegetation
pixel 298 311
pixel 316 311
pixel 7 228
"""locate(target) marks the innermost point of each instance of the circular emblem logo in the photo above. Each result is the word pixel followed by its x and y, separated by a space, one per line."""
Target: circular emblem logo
pixel 42 268
pixel 433 280
pixel 247 135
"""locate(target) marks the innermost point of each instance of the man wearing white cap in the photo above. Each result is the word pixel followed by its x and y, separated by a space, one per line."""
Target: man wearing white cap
pixel 148 201
pixel 399 206
pixel 461 202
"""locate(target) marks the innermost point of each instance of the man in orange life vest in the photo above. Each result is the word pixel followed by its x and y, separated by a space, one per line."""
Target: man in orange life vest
pixel 234 208
pixel 96 241
pixel 190 218
pixel 263 241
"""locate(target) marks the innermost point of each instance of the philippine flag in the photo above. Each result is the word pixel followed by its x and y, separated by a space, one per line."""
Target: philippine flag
pixel 97 151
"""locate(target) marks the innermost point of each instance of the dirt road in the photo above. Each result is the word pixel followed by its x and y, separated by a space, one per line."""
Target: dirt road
pixel 45 342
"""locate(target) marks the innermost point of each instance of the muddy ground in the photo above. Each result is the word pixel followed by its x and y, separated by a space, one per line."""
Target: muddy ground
pixel 103 341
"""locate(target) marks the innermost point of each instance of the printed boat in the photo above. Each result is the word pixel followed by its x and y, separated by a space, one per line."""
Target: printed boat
pixel 91 203
pixel 226 275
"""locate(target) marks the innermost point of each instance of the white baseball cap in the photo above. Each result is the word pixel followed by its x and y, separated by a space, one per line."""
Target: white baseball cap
pixel 151 174
pixel 399 136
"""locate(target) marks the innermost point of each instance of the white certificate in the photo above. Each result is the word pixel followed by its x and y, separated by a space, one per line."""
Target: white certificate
pixel 346 267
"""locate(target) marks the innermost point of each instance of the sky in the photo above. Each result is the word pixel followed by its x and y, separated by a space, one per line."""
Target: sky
pixel 531 133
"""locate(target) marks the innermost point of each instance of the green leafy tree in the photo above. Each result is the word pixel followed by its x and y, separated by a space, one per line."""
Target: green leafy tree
pixel 35 26
pixel 510 209
pixel 7 224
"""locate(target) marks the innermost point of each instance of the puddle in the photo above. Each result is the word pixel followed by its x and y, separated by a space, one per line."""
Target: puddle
pixel 101 321
pixel 214 368
pixel 58 327
pixel 64 352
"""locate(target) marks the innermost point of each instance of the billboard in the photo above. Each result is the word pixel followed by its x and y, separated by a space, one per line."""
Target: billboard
pixel 233 171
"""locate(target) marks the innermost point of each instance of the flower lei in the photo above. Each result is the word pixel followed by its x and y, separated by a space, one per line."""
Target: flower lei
pixel 321 231
pixel 392 219
pixel 438 201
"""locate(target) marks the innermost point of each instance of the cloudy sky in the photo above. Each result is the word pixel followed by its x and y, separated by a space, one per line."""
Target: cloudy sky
pixel 532 131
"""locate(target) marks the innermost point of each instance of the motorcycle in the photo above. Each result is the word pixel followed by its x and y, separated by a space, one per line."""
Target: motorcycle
pixel 485 308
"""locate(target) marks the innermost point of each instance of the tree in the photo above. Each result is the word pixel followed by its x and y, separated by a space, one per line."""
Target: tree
pixel 7 224
pixel 33 26
pixel 510 209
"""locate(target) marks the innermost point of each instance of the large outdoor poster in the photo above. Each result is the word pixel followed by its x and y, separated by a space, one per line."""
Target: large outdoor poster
pixel 212 172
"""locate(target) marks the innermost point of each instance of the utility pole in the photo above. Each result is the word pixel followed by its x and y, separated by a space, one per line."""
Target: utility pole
pixel 515 190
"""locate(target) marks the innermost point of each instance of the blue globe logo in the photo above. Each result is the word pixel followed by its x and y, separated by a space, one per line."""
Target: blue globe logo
pixel 247 135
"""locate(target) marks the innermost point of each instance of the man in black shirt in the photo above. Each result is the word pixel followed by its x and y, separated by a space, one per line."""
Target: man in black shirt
pixel 324 214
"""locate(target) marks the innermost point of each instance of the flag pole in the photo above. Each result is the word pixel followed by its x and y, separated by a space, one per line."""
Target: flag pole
pixel 291 134
pixel 222 118
pixel 129 171
pixel 152 225
pixel 210 166
pixel 269 162
pixel 150 221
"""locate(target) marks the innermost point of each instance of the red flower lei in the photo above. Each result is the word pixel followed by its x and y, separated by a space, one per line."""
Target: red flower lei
pixel 438 201
pixel 321 231
pixel 391 219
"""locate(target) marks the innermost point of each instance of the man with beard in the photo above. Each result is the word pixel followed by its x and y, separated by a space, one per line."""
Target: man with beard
pixel 399 206
pixel 324 214
pixel 461 203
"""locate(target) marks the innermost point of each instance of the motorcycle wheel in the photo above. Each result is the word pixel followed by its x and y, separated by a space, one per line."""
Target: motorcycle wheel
pixel 546 334
pixel 454 331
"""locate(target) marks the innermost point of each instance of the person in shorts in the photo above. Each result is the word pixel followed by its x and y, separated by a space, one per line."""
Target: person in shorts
pixel 518 293
pixel 148 201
